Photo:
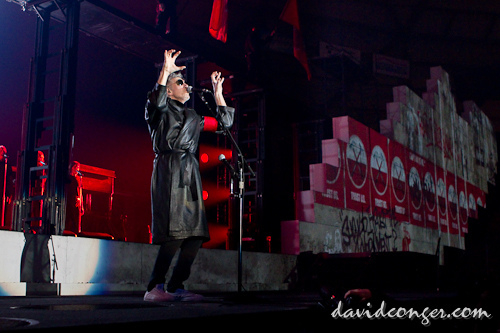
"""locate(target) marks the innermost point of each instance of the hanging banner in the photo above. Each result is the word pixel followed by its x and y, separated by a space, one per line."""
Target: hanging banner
pixel 452 202
pixel 398 184
pixel 472 194
pixel 391 66
pixel 328 179
pixel 416 166
pixel 463 206
pixel 327 50
pixel 442 199
pixel 379 175
pixel 333 171
pixel 430 198
pixel 357 185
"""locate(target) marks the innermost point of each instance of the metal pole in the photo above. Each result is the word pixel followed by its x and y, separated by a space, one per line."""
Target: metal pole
pixel 4 186
pixel 241 186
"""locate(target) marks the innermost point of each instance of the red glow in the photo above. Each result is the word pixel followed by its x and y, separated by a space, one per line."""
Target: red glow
pixel 214 194
pixel 212 154
pixel 218 236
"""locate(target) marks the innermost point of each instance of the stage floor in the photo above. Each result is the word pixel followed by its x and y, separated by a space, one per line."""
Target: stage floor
pixel 235 312
pixel 280 311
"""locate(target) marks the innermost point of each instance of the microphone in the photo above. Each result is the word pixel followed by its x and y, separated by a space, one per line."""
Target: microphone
pixel 79 173
pixel 222 158
pixel 190 89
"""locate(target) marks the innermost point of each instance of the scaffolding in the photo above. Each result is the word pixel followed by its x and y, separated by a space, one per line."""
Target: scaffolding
pixel 48 123
pixel 248 132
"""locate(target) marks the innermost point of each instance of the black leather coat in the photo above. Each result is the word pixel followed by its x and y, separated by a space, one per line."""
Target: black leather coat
pixel 177 205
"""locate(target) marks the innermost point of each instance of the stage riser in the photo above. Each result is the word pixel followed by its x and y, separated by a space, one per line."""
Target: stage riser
pixel 98 266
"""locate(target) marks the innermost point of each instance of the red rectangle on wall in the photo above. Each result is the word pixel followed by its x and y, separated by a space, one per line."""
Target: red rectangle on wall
pixel 398 184
pixel 416 167
pixel 442 199
pixel 328 180
pixel 452 202
pixel 379 175
pixel 463 209
pixel 357 184
pixel 430 196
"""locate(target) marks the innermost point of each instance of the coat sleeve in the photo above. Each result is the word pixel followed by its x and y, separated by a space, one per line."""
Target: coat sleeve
pixel 157 100
pixel 226 116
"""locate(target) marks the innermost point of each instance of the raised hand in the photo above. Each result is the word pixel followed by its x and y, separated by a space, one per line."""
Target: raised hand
pixel 169 66
pixel 169 61
pixel 217 80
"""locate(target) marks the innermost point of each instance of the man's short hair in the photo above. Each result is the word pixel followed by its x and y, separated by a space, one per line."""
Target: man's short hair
pixel 175 75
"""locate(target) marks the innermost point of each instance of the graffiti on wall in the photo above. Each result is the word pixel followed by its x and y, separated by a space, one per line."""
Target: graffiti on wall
pixel 368 233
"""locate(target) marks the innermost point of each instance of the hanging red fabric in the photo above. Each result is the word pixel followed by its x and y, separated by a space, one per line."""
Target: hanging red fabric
pixel 218 20
pixel 290 15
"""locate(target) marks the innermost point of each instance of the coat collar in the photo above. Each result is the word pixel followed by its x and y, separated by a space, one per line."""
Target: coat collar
pixel 176 105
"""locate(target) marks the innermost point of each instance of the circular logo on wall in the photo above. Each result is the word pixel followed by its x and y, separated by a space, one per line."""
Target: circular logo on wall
pixel 441 194
pixel 415 187
pixel 398 179
pixel 378 169
pixel 357 161
pixel 429 191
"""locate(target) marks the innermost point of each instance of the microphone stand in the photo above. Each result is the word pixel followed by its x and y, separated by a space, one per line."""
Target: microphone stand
pixel 240 178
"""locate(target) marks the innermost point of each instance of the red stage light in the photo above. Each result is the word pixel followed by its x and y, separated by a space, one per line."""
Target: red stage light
pixel 218 236
pixel 209 156
pixel 214 194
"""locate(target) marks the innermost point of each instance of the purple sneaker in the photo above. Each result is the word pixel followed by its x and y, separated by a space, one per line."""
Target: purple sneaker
pixel 157 295
pixel 185 296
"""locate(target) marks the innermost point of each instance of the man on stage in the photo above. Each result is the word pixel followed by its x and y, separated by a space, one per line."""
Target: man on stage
pixel 178 213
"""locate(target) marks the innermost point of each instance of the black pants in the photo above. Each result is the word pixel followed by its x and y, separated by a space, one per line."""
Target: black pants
pixel 188 250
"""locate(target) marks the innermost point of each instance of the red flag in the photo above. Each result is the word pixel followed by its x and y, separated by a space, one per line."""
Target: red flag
pixel 290 15
pixel 218 20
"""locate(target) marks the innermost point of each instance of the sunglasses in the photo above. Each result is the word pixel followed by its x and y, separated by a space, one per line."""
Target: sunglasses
pixel 179 82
